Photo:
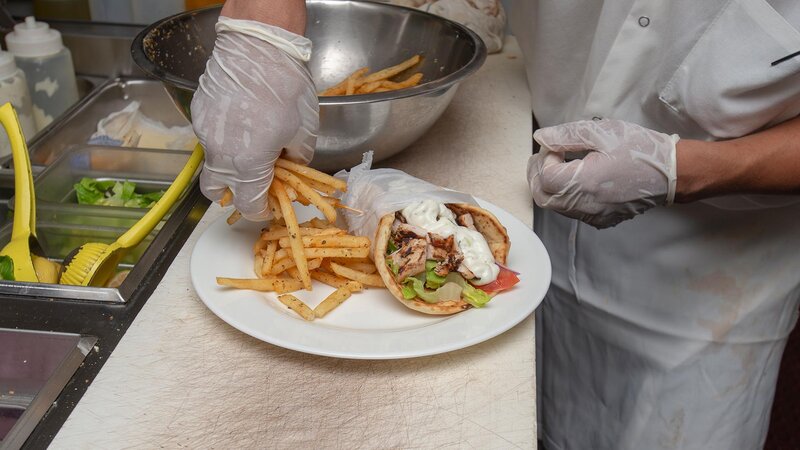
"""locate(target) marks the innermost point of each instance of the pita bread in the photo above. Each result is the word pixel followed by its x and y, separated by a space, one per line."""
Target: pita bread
pixel 485 222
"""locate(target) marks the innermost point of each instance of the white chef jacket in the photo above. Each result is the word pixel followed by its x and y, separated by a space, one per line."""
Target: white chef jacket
pixel 667 330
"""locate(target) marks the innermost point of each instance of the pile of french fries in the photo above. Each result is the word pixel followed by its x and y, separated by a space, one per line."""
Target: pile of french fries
pixel 288 254
pixel 363 82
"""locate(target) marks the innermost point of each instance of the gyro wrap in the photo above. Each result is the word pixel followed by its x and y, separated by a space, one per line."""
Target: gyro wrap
pixel 376 195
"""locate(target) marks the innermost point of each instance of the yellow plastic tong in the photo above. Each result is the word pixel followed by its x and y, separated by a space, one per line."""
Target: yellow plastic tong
pixel 24 249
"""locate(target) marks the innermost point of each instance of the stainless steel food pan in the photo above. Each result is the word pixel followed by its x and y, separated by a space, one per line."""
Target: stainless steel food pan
pixel 56 201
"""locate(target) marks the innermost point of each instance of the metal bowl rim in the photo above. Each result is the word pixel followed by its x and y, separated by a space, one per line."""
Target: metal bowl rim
pixel 474 63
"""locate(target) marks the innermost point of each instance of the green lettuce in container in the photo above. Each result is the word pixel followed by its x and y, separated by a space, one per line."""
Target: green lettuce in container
pixel 113 193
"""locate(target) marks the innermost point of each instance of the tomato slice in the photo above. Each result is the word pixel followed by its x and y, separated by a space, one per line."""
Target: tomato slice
pixel 506 279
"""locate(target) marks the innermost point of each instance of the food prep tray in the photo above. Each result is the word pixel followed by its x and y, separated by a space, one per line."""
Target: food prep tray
pixel 57 241
pixel 79 123
pixel 56 200
pixel 61 156
pixel 146 261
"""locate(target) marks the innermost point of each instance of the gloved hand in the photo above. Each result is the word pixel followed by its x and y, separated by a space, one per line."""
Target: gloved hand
pixel 255 99
pixel 627 170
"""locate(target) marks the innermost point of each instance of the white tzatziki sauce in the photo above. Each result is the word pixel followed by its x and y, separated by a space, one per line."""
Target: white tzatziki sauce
pixel 435 217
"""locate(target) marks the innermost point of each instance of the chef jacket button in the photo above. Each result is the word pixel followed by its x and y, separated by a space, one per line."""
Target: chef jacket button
pixel 595 118
pixel 644 21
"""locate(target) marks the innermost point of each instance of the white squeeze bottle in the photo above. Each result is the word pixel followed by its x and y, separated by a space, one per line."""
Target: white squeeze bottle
pixel 14 89
pixel 47 64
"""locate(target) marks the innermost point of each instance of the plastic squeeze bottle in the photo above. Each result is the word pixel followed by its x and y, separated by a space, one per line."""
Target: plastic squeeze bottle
pixel 40 53
pixel 14 89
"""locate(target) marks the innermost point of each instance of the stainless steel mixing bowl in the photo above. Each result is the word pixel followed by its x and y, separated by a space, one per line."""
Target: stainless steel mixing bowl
pixel 346 35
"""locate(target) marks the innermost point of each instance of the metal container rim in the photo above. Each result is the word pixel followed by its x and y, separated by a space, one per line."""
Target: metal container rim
pixel 475 62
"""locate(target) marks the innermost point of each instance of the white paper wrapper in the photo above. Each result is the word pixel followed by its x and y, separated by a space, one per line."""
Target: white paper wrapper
pixel 129 127
pixel 382 191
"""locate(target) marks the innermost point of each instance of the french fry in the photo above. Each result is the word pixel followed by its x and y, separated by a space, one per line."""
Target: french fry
pixel 297 306
pixel 294 231
pixel 413 80
pixel 313 174
pixel 269 258
pixel 351 86
pixel 360 82
pixel 361 267
pixel 227 198
pixel 302 199
pixel 363 278
pixel 281 232
pixel 279 285
pixel 336 252
pixel 345 261
pixel 312 264
pixel 234 217
pixel 258 263
pixel 320 223
pixel 289 178
pixel 281 265
pixel 368 88
pixel 341 88
pixel 316 185
pixel 274 206
pixel 336 204
pixel 291 193
pixel 260 244
pixel 391 71
pixel 335 280
pixel 333 300
pixel 330 241
pixel 292 272
pixel 332 200
pixel 282 253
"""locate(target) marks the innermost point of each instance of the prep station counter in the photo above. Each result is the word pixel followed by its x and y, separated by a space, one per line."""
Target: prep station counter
pixel 172 374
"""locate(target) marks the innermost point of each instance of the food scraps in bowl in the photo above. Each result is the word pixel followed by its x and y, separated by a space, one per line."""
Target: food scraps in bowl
pixel 363 82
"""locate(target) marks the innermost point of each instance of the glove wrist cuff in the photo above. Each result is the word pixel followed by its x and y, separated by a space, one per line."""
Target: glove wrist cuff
pixel 294 45
pixel 672 168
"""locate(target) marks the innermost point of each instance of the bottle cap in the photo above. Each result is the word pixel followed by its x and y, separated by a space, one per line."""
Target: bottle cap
pixel 32 39
pixel 7 65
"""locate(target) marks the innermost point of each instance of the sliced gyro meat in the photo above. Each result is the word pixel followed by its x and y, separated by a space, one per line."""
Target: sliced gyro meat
pixel 410 258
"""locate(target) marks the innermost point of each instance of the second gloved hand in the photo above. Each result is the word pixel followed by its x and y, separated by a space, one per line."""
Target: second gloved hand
pixel 626 169
pixel 255 99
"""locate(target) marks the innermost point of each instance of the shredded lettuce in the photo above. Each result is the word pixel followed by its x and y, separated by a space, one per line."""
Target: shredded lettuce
pixel 418 286
pixel 6 268
pixel 392 266
pixel 113 193
pixel 432 281
pixel 408 292
pixel 415 287
pixel 469 293
pixel 391 247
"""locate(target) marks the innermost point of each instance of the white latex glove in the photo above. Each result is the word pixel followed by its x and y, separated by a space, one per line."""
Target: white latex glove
pixel 627 169
pixel 255 99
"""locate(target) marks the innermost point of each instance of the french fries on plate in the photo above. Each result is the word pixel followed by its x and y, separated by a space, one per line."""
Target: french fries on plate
pixel 288 255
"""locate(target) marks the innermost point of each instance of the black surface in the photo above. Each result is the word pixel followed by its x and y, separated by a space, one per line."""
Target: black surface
pixel 108 322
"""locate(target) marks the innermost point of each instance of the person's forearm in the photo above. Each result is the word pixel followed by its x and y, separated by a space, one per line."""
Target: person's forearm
pixel 765 162
pixel 287 14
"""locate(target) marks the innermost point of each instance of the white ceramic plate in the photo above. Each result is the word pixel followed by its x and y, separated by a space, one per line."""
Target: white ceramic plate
pixel 371 324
